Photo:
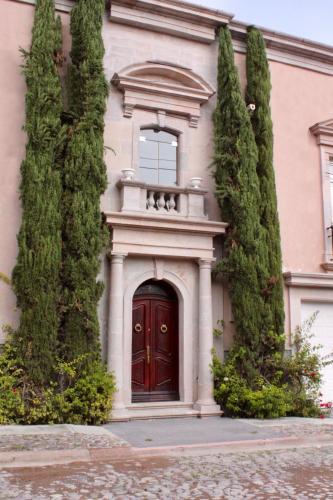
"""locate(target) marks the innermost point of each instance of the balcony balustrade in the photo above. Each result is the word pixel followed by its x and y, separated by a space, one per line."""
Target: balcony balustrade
pixel 176 201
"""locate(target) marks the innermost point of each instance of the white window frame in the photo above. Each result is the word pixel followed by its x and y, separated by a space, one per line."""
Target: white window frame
pixel 324 135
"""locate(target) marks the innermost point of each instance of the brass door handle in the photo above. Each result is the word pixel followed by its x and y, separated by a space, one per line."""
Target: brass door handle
pixel 148 354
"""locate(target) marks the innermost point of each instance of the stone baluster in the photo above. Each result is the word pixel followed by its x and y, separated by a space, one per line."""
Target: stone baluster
pixel 161 202
pixel 172 203
pixel 151 201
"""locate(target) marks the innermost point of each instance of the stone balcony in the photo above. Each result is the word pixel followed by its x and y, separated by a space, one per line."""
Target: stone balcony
pixel 160 200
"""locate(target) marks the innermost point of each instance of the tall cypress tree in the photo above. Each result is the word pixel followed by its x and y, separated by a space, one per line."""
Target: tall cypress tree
pixel 237 191
pixel 258 92
pixel 36 275
pixel 84 180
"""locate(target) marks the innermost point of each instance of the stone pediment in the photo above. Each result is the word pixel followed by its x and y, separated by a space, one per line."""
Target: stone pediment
pixel 324 132
pixel 161 86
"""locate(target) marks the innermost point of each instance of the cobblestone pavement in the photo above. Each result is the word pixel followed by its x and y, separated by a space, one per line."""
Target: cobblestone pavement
pixel 298 474
pixel 18 438
pixel 64 441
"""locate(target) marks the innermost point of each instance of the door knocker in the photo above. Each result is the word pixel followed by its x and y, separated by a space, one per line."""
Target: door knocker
pixel 164 328
pixel 138 328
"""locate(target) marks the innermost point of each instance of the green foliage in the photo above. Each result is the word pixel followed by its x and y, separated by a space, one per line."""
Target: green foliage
pixel 84 180
pixel 36 275
pixel 11 406
pixel 270 271
pixel 87 398
pixel 302 371
pixel 81 394
pixel 62 232
pixel 237 398
pixel 237 191
pixel 294 389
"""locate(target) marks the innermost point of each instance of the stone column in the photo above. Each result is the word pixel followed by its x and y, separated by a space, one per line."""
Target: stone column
pixel 205 403
pixel 115 335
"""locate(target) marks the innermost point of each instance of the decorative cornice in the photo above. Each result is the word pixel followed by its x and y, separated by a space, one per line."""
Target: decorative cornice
pixel 287 49
pixel 317 280
pixel 323 132
pixel 174 17
pixel 164 87
pixel 195 22
pixel 328 266
pixel 159 223
pixel 60 5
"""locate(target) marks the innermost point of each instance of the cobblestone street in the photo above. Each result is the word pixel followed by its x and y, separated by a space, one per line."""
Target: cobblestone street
pixel 282 474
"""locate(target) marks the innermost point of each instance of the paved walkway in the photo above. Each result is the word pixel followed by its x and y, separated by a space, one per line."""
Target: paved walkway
pixel 169 459
pixel 192 431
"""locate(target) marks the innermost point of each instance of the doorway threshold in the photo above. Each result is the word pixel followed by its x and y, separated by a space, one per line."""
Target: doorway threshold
pixel 152 410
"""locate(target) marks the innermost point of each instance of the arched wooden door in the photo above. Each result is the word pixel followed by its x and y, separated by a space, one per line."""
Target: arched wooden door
pixel 155 343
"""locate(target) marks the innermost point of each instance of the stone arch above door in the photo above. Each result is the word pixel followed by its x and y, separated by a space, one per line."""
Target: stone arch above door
pixel 185 329
pixel 164 88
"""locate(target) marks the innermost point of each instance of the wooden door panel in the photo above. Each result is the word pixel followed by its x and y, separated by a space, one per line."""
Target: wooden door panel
pixel 140 372
pixel 163 325
pixel 165 346
pixel 155 349
pixel 138 375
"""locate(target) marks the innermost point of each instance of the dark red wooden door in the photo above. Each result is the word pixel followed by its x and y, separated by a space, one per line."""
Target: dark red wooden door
pixel 155 349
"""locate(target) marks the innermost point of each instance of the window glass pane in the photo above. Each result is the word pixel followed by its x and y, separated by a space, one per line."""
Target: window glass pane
pixel 148 149
pixel 167 152
pixel 170 165
pixel 151 134
pixel 166 137
pixel 146 163
pixel 158 157
pixel 149 175
pixel 167 177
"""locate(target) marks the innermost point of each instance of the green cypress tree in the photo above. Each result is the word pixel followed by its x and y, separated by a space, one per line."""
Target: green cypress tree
pixel 237 191
pixel 84 180
pixel 36 274
pixel 258 93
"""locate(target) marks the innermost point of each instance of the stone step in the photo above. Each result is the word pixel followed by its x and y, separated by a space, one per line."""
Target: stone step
pixel 143 411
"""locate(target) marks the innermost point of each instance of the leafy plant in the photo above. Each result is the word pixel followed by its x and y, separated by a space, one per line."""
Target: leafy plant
pixel 81 394
pixel 294 388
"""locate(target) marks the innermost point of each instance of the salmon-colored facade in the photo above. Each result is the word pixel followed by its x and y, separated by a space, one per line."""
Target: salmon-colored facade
pixel 161 57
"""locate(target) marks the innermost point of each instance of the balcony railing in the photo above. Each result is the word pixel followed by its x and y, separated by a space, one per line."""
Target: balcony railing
pixel 137 196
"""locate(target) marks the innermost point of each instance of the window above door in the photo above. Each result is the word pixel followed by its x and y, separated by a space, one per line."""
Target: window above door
pixel 158 157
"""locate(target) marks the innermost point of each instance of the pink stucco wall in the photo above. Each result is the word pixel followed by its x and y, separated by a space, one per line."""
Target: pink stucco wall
pixel 300 98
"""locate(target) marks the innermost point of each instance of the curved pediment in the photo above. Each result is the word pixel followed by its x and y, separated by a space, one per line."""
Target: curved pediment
pixel 162 86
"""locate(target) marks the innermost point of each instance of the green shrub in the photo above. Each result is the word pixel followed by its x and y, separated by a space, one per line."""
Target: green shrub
pixel 293 388
pixel 82 393
pixel 11 406
pixel 237 399
pixel 87 398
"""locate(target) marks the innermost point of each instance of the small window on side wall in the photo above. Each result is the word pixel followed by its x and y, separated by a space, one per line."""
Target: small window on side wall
pixel 158 157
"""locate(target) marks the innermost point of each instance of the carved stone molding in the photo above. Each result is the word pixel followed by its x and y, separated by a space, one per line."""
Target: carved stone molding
pixel 323 132
pixel 164 88
pixel 174 17
pixel 314 280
